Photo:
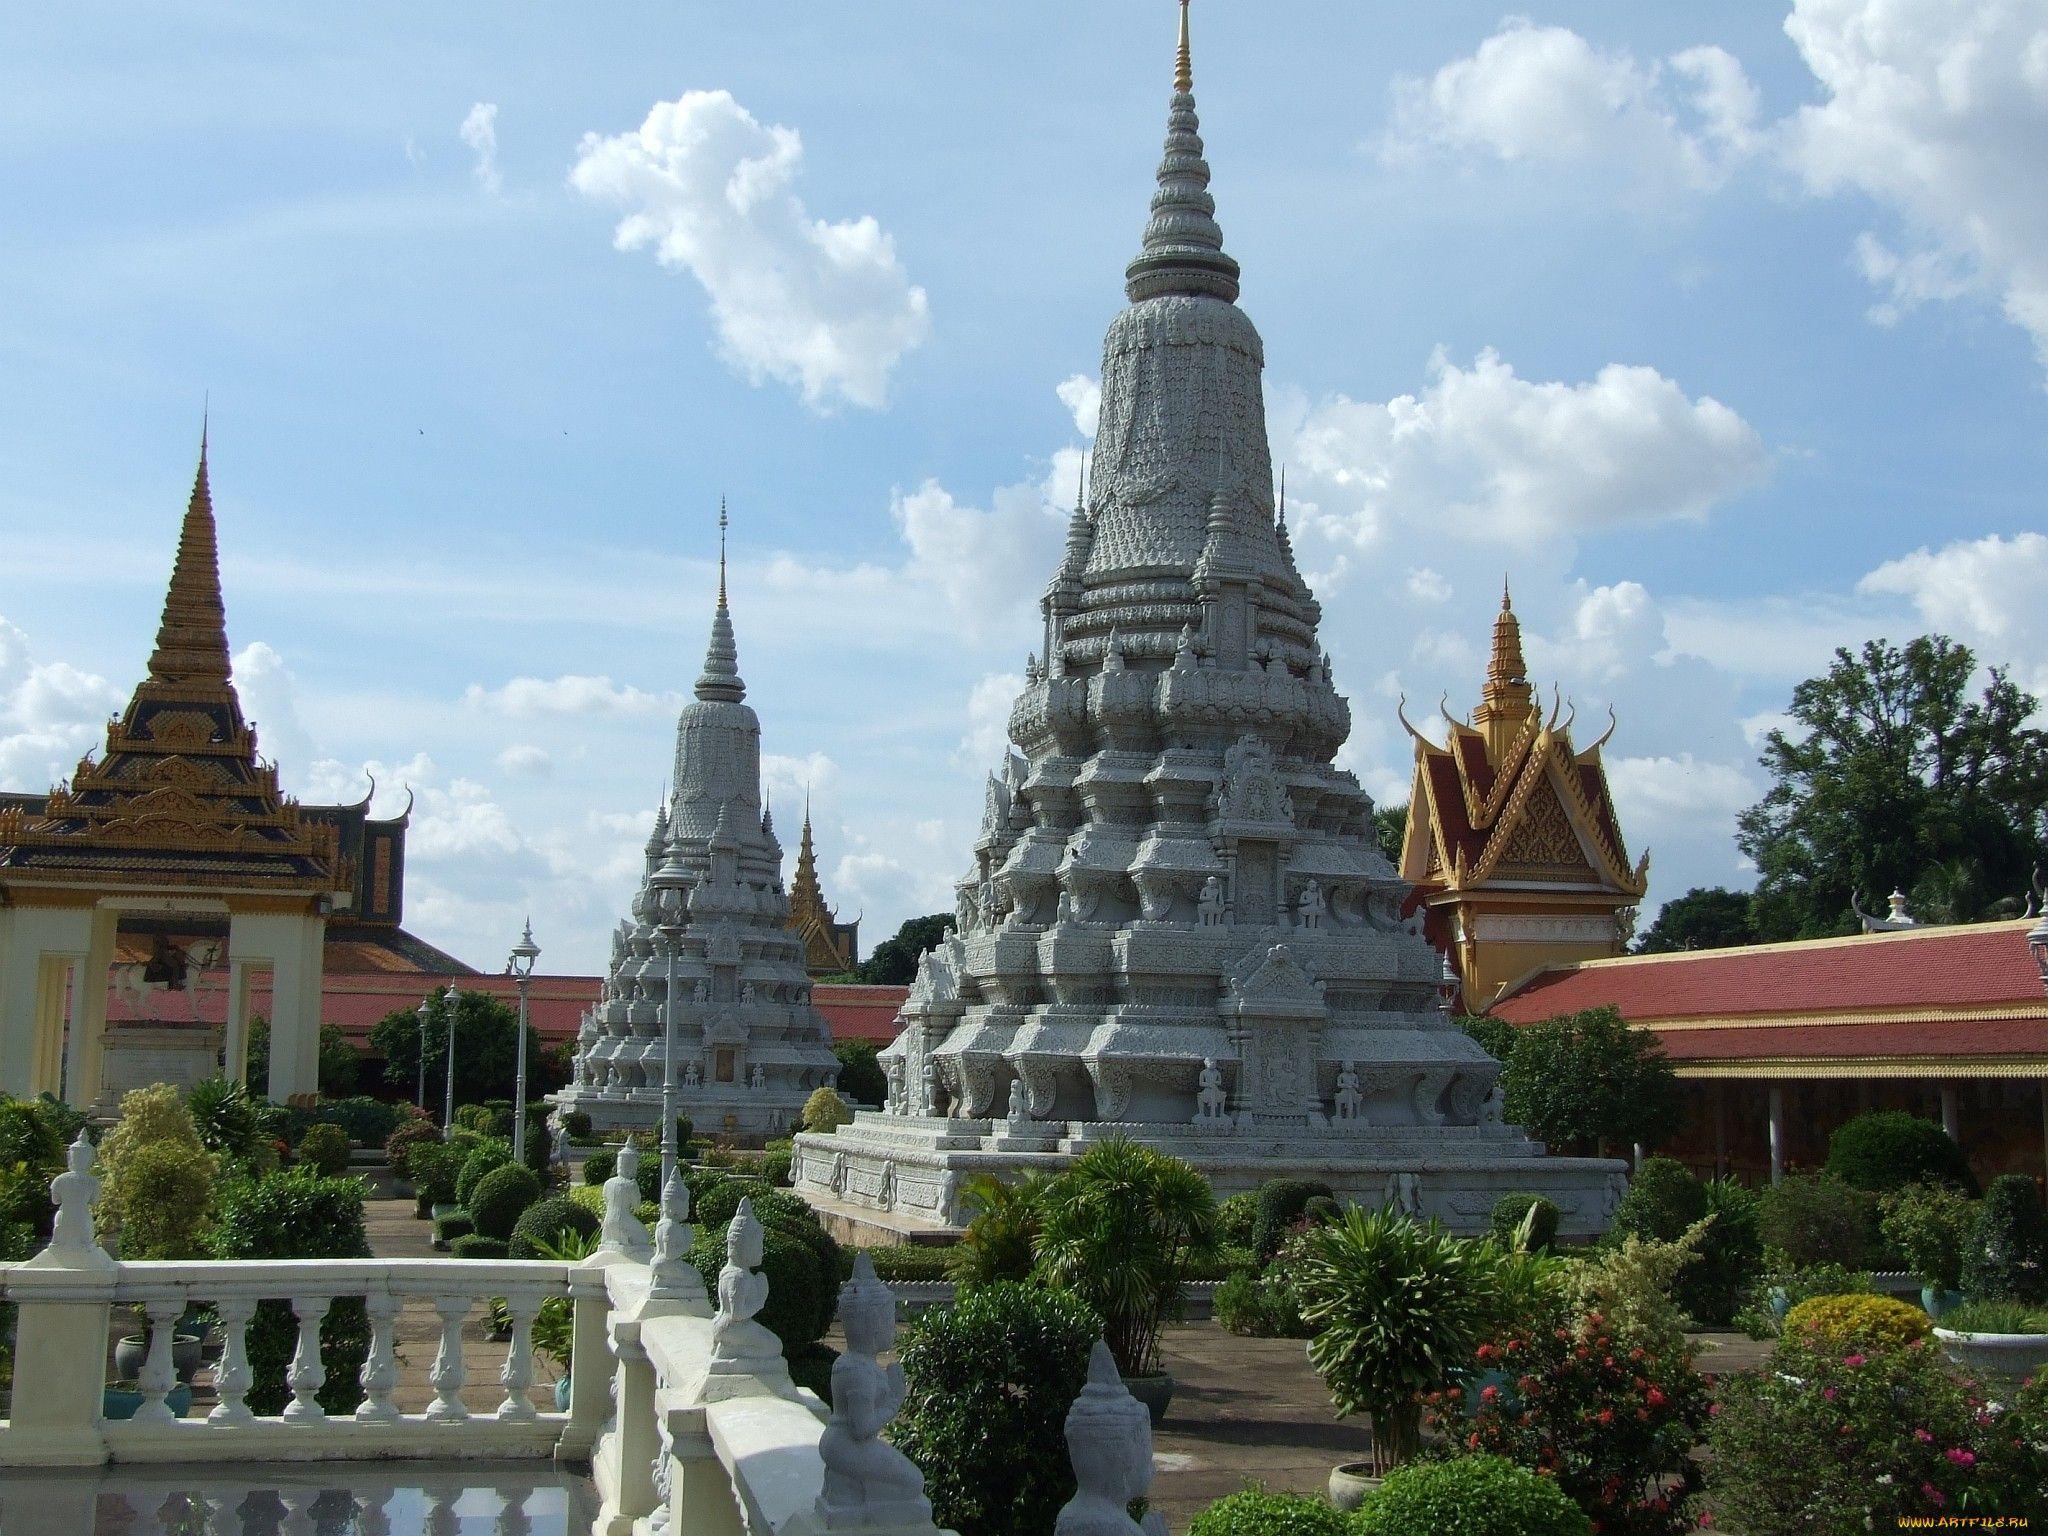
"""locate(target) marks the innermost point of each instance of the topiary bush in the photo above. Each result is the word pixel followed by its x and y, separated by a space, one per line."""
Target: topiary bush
pixel 500 1197
pixel 775 1166
pixel 921 1262
pixel 1930 1226
pixel 1255 1512
pixel 549 1220
pixel 1841 1323
pixel 487 1156
pixel 990 1380
pixel 1280 1203
pixel 324 1148
pixel 454 1224
pixel 476 1117
pixel 1465 1496
pixel 1663 1199
pixel 1887 1149
pixel 600 1165
pixel 825 1111
pixel 2007 1258
pixel 721 1196
pixel 1809 1219
pixel 576 1123
pixel 1510 1210
pixel 435 1168
pixel 477 1246
pixel 398 1146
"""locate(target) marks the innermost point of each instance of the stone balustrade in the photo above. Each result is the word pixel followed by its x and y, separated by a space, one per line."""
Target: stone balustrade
pixel 681 1401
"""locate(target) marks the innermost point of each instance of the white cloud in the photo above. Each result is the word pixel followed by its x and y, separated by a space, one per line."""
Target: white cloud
pixel 479 131
pixel 51 713
pixel 986 565
pixel 1485 454
pixel 1939 111
pixel 524 757
pixel 826 307
pixel 1613 631
pixel 1545 94
pixel 1426 585
pixel 1082 395
pixel 570 694
pixel 1986 592
pixel 269 695
pixel 1663 789
pixel 988 721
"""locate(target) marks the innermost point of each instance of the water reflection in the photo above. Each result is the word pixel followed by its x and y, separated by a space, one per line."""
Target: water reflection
pixel 332 1499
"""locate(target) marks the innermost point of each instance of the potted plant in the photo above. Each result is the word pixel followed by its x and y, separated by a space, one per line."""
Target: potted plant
pixel 1998 1340
pixel 131 1352
pixel 1118 1230
pixel 1930 1226
pixel 1397 1306
pixel 122 1399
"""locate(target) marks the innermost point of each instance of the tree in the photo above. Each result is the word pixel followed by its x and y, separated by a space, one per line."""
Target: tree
pixel 861 1077
pixel 1893 778
pixel 1705 917
pixel 486 1049
pixel 1590 1079
pixel 1390 826
pixel 894 961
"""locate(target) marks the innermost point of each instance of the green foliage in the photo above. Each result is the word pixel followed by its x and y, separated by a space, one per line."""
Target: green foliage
pixel 1705 917
pixel 549 1222
pixel 1236 1217
pixel 1837 1443
pixel 476 1246
pixel 1001 1240
pixel 1630 1286
pixel 226 1122
pixel 1996 1317
pixel 1279 1204
pixel 486 1048
pixel 1390 830
pixel 436 1165
pixel 1260 1304
pixel 1930 1225
pixel 1812 1219
pixel 2007 1257
pixel 919 1262
pixel 775 1165
pixel 1891 775
pixel 1844 1323
pixel 501 1197
pixel 1793 1284
pixel 1589 1080
pixel 1664 1200
pixel 453 1225
pixel 480 1118
pixel 1255 1512
pixel 1468 1496
pixel 893 962
pixel 1117 1229
pixel 861 1077
pixel 599 1166
pixel 486 1157
pixel 1395 1304
pixel 1511 1210
pixel 339 1064
pixel 292 1215
pixel 399 1145
pixel 990 1381
pixel 802 1266
pixel 368 1122
pixel 33 1137
pixel 577 1123
pixel 825 1111
pixel 325 1149
pixel 154 1120
pixel 1494 1036
pixel 1888 1149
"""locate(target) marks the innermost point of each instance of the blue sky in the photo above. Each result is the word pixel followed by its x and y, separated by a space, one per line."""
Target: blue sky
pixel 1722 329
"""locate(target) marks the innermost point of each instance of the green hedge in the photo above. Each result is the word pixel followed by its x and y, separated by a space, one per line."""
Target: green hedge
pixel 455 1224
pixel 1465 1496
pixel 1887 1149
pixel 545 1221
pixel 500 1197
pixel 1254 1512
pixel 1280 1202
pixel 477 1246
pixel 487 1158
pixel 910 1263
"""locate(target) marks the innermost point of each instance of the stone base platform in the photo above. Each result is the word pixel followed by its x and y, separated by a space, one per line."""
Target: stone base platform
pixel 736 1113
pixel 897 1179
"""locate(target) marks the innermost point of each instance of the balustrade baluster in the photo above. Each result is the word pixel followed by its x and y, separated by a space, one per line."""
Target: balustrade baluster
pixel 518 1372
pixel 513 1519
pixel 307 1374
pixel 370 1517
pixel 231 1374
pixel 380 1369
pixel 159 1372
pixel 442 1520
pixel 300 1506
pixel 449 1374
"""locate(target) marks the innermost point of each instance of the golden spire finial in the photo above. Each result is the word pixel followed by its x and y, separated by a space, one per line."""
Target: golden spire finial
pixel 1183 62
pixel 191 640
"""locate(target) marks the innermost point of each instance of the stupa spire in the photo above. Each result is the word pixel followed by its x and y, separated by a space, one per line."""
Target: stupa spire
pixel 720 680
pixel 1508 698
pixel 1183 249
pixel 192 639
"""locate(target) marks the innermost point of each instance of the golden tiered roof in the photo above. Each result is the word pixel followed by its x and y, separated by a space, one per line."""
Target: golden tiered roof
pixel 829 945
pixel 179 797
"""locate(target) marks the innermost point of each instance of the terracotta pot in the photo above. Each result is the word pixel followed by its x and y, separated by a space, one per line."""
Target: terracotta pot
pixel 1155 1392
pixel 1350 1482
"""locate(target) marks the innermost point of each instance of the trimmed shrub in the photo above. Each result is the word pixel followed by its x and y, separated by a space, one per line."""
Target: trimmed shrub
pixel 600 1165
pixel 1235 1218
pixel 487 1157
pixel 810 1365
pixel 1929 1226
pixel 1280 1203
pixel 1841 1323
pixel 2008 1254
pixel 476 1117
pixel 1888 1149
pixel 924 1262
pixel 324 1148
pixel 1465 1496
pixel 825 1111
pixel 435 1167
pixel 1254 1512
pixel 990 1381
pixel 1810 1219
pixel 591 1199
pixel 367 1122
pixel 156 1118
pixel 398 1146
pixel 775 1166
pixel 549 1220
pixel 720 1198
pixel 1510 1210
pixel 167 1199
pixel 453 1225
pixel 576 1123
pixel 500 1197
pixel 476 1246
pixel 1663 1199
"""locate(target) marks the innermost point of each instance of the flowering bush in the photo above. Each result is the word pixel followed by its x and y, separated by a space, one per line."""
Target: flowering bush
pixel 1842 1323
pixel 1614 1423
pixel 1835 1443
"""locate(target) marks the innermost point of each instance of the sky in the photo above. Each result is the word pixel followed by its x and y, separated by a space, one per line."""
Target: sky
pixel 1721 331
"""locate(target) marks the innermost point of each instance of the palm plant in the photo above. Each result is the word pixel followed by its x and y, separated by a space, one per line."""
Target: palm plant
pixel 1001 1239
pixel 1396 1306
pixel 1118 1230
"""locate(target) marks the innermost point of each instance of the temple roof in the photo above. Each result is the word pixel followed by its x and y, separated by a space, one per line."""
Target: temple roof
pixel 178 798
pixel 830 946
pixel 1508 799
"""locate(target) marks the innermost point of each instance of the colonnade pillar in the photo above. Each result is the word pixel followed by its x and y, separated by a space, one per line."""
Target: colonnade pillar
pixel 1951 1121
pixel 1777 1132
pixel 41 949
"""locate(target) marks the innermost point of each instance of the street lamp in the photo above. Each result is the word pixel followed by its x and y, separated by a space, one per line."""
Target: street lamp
pixel 665 940
pixel 425 1011
pixel 449 998
pixel 524 953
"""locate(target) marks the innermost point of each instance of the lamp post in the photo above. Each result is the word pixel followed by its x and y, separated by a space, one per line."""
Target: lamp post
pixel 524 953
pixel 449 998
pixel 665 938
pixel 426 1009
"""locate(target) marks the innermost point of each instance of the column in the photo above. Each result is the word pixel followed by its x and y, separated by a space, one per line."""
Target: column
pixel 31 990
pixel 235 1031
pixel 1777 1132
pixel 1950 1120
pixel 60 1025
pixel 1720 1128
pixel 87 1086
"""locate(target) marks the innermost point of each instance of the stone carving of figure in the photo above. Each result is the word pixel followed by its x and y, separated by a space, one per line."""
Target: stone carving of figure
pixel 622 1231
pixel 896 1103
pixel 1210 1099
pixel 742 1292
pixel 928 1091
pixel 1348 1101
pixel 674 1276
pixel 74 1190
pixel 747 995
pixel 693 1075
pixel 1493 1108
pixel 701 993
pixel 1109 1441
pixel 759 1080
pixel 1019 1113
pixel 1211 905
pixel 869 1484
pixel 1309 910
pixel 1404 1193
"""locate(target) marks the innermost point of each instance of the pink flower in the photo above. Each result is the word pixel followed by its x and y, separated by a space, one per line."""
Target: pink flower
pixel 1923 1437
pixel 1853 1360
pixel 1488 1394
pixel 1932 1494
pixel 1963 1458
pixel 1828 1393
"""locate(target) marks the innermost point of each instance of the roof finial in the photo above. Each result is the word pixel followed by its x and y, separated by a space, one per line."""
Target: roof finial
pixel 1184 62
pixel 1505 604
pixel 1183 249
pixel 720 679
pixel 1283 498
pixel 721 551
pixel 191 639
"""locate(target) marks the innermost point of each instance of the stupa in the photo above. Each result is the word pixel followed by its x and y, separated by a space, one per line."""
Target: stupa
pixel 708 936
pixel 1178 926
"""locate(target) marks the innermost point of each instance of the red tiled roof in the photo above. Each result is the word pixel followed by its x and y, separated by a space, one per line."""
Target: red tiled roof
pixel 1977 1037
pixel 859 1012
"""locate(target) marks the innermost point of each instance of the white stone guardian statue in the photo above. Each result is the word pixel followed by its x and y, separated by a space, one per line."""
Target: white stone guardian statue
pixel 1210 1099
pixel 869 1484
pixel 1109 1441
